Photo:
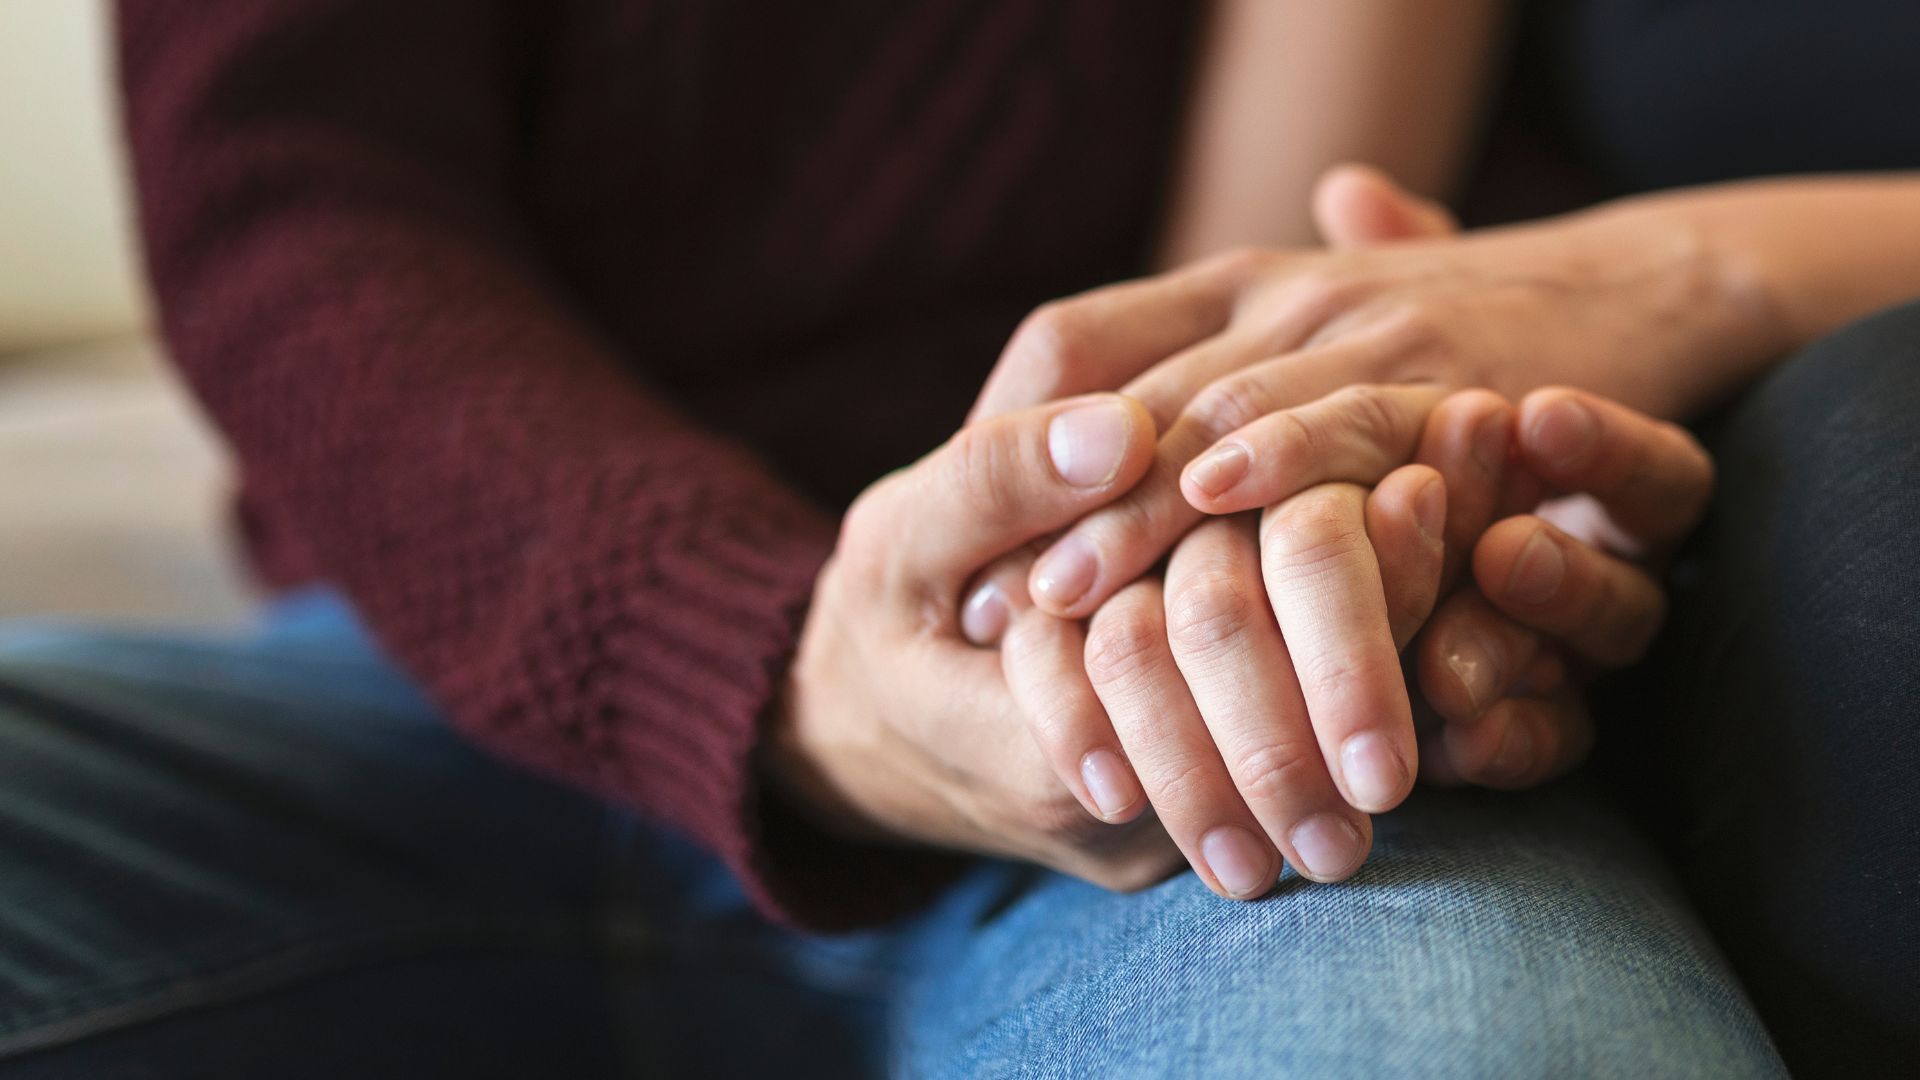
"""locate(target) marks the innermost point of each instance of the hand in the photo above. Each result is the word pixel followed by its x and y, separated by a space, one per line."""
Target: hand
pixel 1606 300
pixel 1249 735
pixel 1570 581
pixel 891 726
pixel 1497 673
pixel 1273 787
pixel 1566 581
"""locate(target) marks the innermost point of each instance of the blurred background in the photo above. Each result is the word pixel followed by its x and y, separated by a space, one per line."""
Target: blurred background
pixel 112 488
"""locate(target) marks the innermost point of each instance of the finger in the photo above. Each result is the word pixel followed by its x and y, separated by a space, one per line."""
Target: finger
pixel 998 484
pixel 1468 438
pixel 1653 477
pixel 1324 583
pixel 1100 339
pixel 1358 434
pixel 1167 387
pixel 996 597
pixel 1044 660
pixel 1435 768
pixel 1520 741
pixel 1546 676
pixel 1471 655
pixel 1599 606
pixel 1359 206
pixel 1116 544
pixel 1126 860
pixel 1405 516
pixel 1225 362
pixel 1229 649
pixel 1133 672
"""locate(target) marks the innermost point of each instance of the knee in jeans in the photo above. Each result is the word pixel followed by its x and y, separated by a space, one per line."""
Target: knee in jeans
pixel 1381 976
pixel 1817 462
pixel 1850 400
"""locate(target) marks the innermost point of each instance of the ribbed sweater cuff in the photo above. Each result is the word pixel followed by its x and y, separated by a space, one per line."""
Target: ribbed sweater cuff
pixel 724 656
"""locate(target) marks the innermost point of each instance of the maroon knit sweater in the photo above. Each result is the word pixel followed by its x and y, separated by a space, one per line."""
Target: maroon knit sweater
pixel 557 332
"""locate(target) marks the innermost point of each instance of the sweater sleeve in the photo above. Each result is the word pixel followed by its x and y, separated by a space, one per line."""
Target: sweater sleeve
pixel 585 581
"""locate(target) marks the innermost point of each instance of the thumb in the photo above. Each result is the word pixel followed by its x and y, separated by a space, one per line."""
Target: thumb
pixel 1001 482
pixel 1359 206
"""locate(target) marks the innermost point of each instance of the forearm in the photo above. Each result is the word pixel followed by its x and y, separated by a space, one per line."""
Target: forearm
pixel 1285 89
pixel 1790 259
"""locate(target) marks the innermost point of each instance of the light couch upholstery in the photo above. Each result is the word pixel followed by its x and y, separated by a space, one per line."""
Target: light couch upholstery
pixel 112 490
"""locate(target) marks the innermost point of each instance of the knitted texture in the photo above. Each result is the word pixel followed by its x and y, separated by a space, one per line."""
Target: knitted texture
pixel 475 289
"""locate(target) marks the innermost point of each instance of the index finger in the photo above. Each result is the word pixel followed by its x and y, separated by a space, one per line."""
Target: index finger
pixel 1115 544
pixel 1104 337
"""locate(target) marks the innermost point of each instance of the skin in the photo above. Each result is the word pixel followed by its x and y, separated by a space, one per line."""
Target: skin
pixel 1286 89
pixel 1567 298
pixel 892 728
pixel 1669 303
pixel 1664 304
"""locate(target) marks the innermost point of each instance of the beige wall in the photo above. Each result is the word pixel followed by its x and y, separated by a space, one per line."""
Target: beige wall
pixel 67 267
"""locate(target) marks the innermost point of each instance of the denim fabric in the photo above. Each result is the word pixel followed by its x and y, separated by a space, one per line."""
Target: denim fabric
pixel 265 856
pixel 1779 751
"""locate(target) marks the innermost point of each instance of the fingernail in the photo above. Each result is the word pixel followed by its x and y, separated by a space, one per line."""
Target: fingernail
pixel 1490 441
pixel 1065 573
pixel 984 616
pixel 1430 511
pixel 1327 846
pixel 1238 861
pixel 1088 443
pixel 1109 782
pixel 1220 468
pixel 1537 573
pixel 1564 433
pixel 1474 668
pixel 1376 774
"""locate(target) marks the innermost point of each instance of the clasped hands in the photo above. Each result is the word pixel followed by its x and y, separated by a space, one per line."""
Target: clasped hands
pixel 1194 596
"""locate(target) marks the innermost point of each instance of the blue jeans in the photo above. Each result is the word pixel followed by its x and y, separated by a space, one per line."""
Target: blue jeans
pixel 263 855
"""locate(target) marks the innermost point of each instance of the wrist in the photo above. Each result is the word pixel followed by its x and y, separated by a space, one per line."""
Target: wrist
pixel 1802 256
pixel 800 745
pixel 1709 299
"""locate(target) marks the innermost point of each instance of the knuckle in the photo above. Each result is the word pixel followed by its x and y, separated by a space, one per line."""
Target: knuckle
pixel 1048 346
pixel 1420 342
pixel 862 528
pixel 1240 264
pixel 1147 521
pixel 1324 293
pixel 1209 612
pixel 1267 773
pixel 1056 727
pixel 1299 447
pixel 1184 782
pixel 1121 644
pixel 1229 404
pixel 1372 418
pixel 1416 326
pixel 1057 724
pixel 1309 535
pixel 986 476
pixel 1332 669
